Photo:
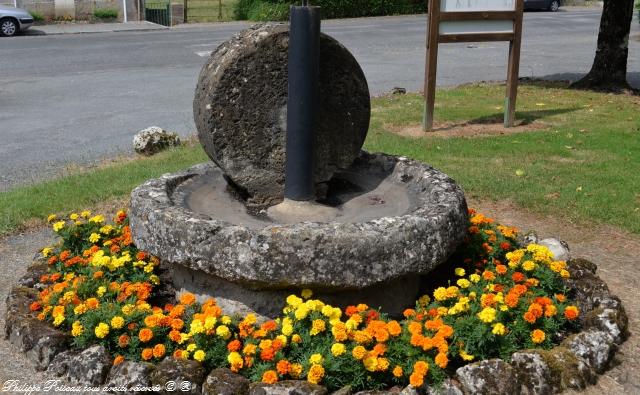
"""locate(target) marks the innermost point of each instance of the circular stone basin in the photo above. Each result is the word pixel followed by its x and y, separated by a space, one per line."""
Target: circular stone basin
pixel 390 220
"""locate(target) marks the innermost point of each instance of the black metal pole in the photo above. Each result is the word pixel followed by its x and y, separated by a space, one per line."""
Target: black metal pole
pixel 304 49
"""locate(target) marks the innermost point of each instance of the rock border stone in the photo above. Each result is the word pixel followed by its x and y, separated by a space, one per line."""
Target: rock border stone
pixel 573 364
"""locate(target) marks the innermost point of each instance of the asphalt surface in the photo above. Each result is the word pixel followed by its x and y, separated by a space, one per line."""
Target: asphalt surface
pixel 71 100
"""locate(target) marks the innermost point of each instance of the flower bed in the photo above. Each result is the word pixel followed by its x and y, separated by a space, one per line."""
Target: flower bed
pixel 98 290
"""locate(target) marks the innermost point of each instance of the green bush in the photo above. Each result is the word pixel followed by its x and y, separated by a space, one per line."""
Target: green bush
pixel 278 9
pixel 105 13
pixel 37 17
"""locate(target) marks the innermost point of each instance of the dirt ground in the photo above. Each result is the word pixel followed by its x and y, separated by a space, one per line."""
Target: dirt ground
pixel 614 251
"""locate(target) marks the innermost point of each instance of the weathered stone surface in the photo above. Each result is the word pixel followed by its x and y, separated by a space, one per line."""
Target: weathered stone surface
pixel 59 366
pixel 558 248
pixel 187 375
pixel 586 287
pixel 49 343
pixel 34 272
pixel 130 375
pixel 152 140
pixel 612 321
pixel 287 387
pixel 346 390
pixel 533 374
pixel 409 390
pixel 493 376
pixel 224 382
pixel 593 346
pixel 17 303
pixel 567 370
pixel 240 110
pixel 335 255
pixel 89 367
pixel 447 387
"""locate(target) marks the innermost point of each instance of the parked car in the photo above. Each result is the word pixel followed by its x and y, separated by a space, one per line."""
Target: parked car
pixel 13 20
pixel 551 5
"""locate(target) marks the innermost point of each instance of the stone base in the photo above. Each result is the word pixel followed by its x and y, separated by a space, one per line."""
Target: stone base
pixel 392 296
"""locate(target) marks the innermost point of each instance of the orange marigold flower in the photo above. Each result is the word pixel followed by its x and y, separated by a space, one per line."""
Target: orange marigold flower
pixel 176 311
pixel 416 380
pixel 269 326
pixel 175 336
pixel 178 353
pixel 409 313
pixel 35 306
pixel 98 274
pixel 141 256
pixel 283 366
pixel 52 260
pixel 145 335
pixel 234 345
pixel 351 310
pixel 505 246
pixel 267 354
pixel 159 350
pixel 147 354
pixel 488 275
pixel 501 269
pixel 397 371
pixel 442 360
pixel 433 325
pixel 537 336
pixel 118 360
pixel 571 312
pixel 187 298
pixel 151 320
pixel 270 377
pixel 529 317
pixel 123 341
pixel 560 298
pixel 536 310
pixel 394 328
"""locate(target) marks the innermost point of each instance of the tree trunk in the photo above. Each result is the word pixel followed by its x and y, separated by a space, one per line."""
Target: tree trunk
pixel 609 70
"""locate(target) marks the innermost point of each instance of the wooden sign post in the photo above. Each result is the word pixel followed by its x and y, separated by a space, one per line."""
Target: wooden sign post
pixel 455 21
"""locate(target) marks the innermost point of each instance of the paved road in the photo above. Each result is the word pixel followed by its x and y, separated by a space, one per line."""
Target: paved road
pixel 77 98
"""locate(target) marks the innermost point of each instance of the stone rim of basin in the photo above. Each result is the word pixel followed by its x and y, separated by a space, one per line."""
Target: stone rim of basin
pixel 327 256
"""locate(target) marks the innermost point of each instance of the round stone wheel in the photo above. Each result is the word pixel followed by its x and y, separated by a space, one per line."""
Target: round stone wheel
pixel 240 110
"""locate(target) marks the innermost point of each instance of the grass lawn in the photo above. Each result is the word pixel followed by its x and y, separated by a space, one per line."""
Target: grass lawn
pixel 577 156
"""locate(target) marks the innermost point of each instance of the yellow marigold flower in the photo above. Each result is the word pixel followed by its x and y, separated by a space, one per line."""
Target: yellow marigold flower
pixel 463 283
pixel 249 349
pixel 52 217
pixel 465 357
pixel 557 266
pixel 316 359
pixel 370 363
pixel 85 214
pixel 383 364
pixel 199 355
pixel 537 336
pixel 58 320
pixel 117 322
pixel 564 273
pixel 306 293
pixel 487 315
pixel 210 322
pixel 296 338
pixel 191 347
pixel 327 311
pixel 424 300
pixel 474 278
pixel 359 352
pixel 287 330
pixel 499 329
pixel 459 272
pixel 223 331
pixel 101 330
pixel 76 329
pixel 295 370
pixel 46 251
pixel 101 290
pixel 440 294
pixel 80 309
pixel 155 280
pixel 294 301
pixel 528 266
pixel 397 371
pixel 128 309
pixel 318 326
pixel 283 339
pixel 315 375
pixel 74 216
pixel 338 349
pixel 58 226
pixel 301 312
pixel 98 219
pixel 106 229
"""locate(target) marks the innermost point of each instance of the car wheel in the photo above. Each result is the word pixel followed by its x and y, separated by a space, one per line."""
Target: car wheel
pixel 554 5
pixel 8 27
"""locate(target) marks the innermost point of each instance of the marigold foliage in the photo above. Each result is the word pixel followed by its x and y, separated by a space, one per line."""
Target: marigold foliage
pixel 504 298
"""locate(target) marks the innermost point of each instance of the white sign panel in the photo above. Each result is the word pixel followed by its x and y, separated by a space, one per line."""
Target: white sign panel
pixel 477 5
pixel 470 27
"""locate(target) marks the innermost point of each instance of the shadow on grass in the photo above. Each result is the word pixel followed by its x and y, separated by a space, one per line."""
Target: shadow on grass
pixel 522 117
